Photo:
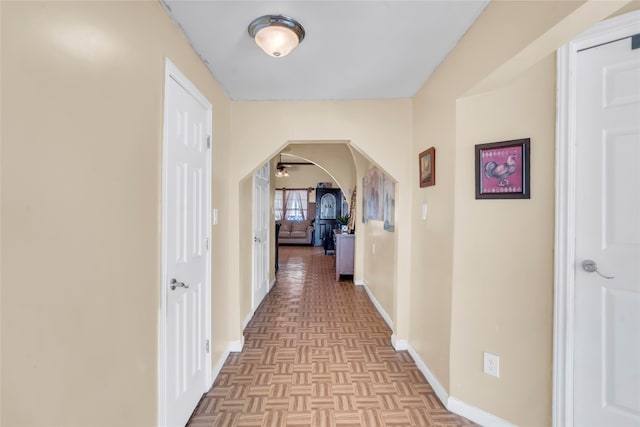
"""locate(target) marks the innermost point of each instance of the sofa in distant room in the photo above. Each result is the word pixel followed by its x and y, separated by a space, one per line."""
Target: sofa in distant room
pixel 296 232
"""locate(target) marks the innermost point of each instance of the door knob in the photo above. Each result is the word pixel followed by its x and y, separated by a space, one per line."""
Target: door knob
pixel 590 266
pixel 175 284
pixel 257 240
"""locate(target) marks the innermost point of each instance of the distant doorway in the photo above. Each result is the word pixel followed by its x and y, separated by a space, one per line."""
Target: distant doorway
pixel 261 228
pixel 328 209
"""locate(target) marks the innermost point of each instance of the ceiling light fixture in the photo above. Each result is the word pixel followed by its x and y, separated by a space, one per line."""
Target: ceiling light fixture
pixel 281 171
pixel 277 35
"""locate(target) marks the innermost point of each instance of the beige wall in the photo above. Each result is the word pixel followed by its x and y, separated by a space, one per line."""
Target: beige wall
pixel 82 98
pixel 491 88
pixel 379 253
pixel 379 128
pixel 503 256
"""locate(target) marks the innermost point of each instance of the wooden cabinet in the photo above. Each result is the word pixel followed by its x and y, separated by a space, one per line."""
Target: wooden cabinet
pixel 344 253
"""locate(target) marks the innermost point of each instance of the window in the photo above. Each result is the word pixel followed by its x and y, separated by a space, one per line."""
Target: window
pixel 295 204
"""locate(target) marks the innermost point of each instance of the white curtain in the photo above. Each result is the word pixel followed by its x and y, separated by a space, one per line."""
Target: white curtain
pixel 278 205
pixel 291 205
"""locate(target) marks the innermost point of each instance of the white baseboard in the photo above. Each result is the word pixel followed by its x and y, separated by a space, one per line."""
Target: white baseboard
pixel 236 346
pixel 399 345
pixel 273 282
pixel 375 302
pixel 441 392
pixel 233 347
pixel 218 367
pixel 476 415
pixel 453 404
pixel 247 319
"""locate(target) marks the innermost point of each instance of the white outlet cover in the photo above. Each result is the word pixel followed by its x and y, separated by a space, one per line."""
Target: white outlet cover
pixel 491 363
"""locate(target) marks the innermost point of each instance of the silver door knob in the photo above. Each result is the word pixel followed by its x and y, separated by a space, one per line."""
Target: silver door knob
pixel 175 284
pixel 590 266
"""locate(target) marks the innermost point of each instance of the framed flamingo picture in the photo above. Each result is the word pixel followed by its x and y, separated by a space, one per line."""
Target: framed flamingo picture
pixel 502 170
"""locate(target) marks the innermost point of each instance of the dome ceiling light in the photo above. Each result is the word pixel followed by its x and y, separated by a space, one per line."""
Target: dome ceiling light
pixel 277 35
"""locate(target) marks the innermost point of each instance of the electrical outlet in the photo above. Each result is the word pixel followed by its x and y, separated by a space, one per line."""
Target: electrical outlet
pixel 491 365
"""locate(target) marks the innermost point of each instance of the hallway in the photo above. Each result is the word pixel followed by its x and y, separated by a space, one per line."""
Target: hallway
pixel 317 353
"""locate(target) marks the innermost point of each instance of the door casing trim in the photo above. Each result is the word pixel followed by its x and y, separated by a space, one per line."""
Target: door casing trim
pixel 565 202
pixel 173 73
pixel 254 303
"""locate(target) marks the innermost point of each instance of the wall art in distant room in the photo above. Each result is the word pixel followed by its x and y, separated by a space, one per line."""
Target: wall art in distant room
pixel 372 196
pixel 366 191
pixel 389 203
pixel 502 170
pixel 427 164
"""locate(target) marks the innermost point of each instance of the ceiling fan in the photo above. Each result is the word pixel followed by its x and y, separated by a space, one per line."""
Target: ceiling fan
pixel 281 167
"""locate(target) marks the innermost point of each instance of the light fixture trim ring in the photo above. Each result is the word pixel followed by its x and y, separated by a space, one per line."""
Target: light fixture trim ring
pixel 276 20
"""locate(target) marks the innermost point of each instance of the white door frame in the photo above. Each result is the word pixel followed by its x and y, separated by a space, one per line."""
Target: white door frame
pixel 565 233
pixel 173 73
pixel 254 303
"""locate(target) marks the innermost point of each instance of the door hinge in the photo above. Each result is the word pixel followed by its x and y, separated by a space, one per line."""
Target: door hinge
pixel 209 141
pixel 206 345
pixel 206 244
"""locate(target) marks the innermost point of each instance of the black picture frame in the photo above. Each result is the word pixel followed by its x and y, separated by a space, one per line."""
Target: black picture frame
pixel 503 169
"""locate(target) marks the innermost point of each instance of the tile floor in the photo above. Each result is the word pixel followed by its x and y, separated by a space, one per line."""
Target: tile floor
pixel 317 353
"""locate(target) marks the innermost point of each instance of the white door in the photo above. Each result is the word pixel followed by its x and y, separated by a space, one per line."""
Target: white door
pixel 607 309
pixel 260 235
pixel 186 258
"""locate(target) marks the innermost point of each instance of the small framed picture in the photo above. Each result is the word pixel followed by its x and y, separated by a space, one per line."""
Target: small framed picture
pixel 502 170
pixel 427 167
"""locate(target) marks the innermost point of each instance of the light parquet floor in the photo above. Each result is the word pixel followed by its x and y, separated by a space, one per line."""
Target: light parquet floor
pixel 317 353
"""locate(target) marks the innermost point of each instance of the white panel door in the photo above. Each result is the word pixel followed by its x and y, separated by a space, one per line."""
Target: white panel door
pixel 186 251
pixel 607 310
pixel 260 235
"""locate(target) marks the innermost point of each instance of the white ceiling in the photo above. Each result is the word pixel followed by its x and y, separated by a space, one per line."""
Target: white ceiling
pixel 352 49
